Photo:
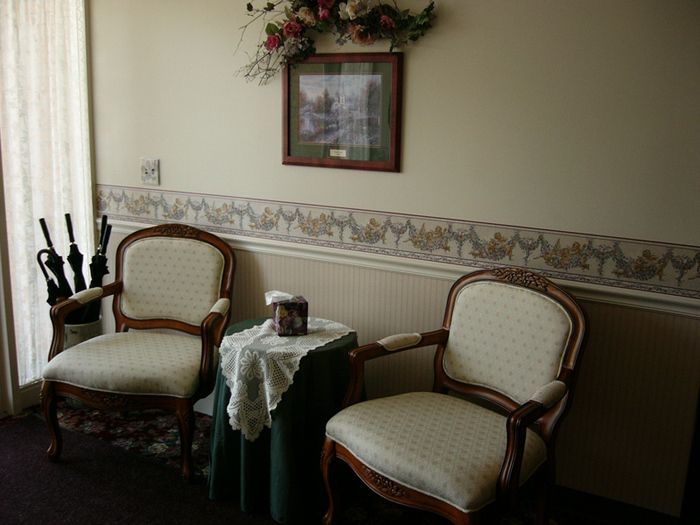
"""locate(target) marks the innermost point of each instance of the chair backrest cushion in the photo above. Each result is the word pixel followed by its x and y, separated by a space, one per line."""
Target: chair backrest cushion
pixel 506 337
pixel 171 278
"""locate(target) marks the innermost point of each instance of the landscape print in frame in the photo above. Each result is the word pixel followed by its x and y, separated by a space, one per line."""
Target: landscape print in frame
pixel 343 110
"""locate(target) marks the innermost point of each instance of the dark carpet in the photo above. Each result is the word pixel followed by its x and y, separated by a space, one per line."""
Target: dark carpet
pixel 96 482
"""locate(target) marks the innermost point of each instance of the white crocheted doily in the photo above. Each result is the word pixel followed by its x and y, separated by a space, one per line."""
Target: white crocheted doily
pixel 259 367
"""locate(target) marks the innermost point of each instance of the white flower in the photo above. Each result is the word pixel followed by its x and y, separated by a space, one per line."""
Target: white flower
pixel 306 15
pixel 355 8
pixel 291 46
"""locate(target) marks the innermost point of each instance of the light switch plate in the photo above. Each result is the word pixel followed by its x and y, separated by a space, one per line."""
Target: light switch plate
pixel 150 171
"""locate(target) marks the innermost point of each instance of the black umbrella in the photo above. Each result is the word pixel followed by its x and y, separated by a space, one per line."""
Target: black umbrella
pixel 98 268
pixel 51 286
pixel 75 258
pixel 98 264
pixel 54 262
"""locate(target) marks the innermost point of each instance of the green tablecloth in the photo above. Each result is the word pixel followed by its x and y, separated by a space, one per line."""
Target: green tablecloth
pixel 280 470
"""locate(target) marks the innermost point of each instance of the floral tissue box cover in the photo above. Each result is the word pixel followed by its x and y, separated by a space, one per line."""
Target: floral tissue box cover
pixel 290 317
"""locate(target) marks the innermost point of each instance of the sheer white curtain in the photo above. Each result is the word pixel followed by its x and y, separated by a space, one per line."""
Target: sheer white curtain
pixel 44 139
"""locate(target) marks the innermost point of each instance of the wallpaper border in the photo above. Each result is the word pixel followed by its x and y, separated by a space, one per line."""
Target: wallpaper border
pixel 609 261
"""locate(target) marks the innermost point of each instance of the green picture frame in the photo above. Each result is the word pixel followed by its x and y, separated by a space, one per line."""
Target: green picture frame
pixel 343 110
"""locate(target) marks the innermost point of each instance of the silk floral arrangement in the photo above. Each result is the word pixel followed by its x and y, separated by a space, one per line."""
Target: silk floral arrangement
pixel 290 27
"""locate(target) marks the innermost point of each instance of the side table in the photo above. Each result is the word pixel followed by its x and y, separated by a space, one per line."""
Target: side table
pixel 280 470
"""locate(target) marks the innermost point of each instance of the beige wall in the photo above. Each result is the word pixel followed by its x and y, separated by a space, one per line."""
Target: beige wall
pixel 569 115
pixel 578 116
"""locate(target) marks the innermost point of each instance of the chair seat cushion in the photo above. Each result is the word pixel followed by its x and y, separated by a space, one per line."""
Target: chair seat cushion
pixel 153 363
pixel 439 445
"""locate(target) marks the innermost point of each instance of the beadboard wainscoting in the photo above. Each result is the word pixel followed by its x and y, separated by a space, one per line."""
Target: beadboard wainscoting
pixel 628 434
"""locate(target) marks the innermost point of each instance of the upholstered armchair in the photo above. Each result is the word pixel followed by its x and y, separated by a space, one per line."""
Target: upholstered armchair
pixel 172 292
pixel 503 375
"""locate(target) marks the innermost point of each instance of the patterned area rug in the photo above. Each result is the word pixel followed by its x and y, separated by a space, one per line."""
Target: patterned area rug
pixel 150 433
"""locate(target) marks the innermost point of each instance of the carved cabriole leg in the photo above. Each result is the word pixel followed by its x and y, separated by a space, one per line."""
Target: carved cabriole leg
pixel 185 419
pixel 327 455
pixel 48 405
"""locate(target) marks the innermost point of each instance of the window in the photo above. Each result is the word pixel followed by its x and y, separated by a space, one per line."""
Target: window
pixel 45 151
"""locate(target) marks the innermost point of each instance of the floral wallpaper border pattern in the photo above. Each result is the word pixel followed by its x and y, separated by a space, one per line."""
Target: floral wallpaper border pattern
pixel 640 265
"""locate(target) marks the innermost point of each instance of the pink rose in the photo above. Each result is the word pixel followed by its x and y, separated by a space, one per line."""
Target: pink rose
pixel 273 42
pixel 292 29
pixel 323 14
pixel 327 4
pixel 387 22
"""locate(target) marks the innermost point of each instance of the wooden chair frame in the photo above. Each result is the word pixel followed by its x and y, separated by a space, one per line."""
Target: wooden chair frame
pixel 520 417
pixel 210 330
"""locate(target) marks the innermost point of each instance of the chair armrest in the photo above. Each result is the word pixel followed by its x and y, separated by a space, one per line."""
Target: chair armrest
pixel 214 323
pixel 550 394
pixel 87 296
pixel 386 346
pixel 400 341
pixel 60 311
pixel 212 331
pixel 80 299
pixel 516 427
pixel 221 306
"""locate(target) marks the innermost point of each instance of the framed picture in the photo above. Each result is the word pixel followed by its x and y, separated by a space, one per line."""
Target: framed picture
pixel 343 110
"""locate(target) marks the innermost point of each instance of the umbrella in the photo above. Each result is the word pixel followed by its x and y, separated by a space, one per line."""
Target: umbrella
pixel 98 264
pixel 98 268
pixel 75 258
pixel 51 286
pixel 54 262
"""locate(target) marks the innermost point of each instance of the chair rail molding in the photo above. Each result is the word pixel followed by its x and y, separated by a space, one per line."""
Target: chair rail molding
pixel 643 274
